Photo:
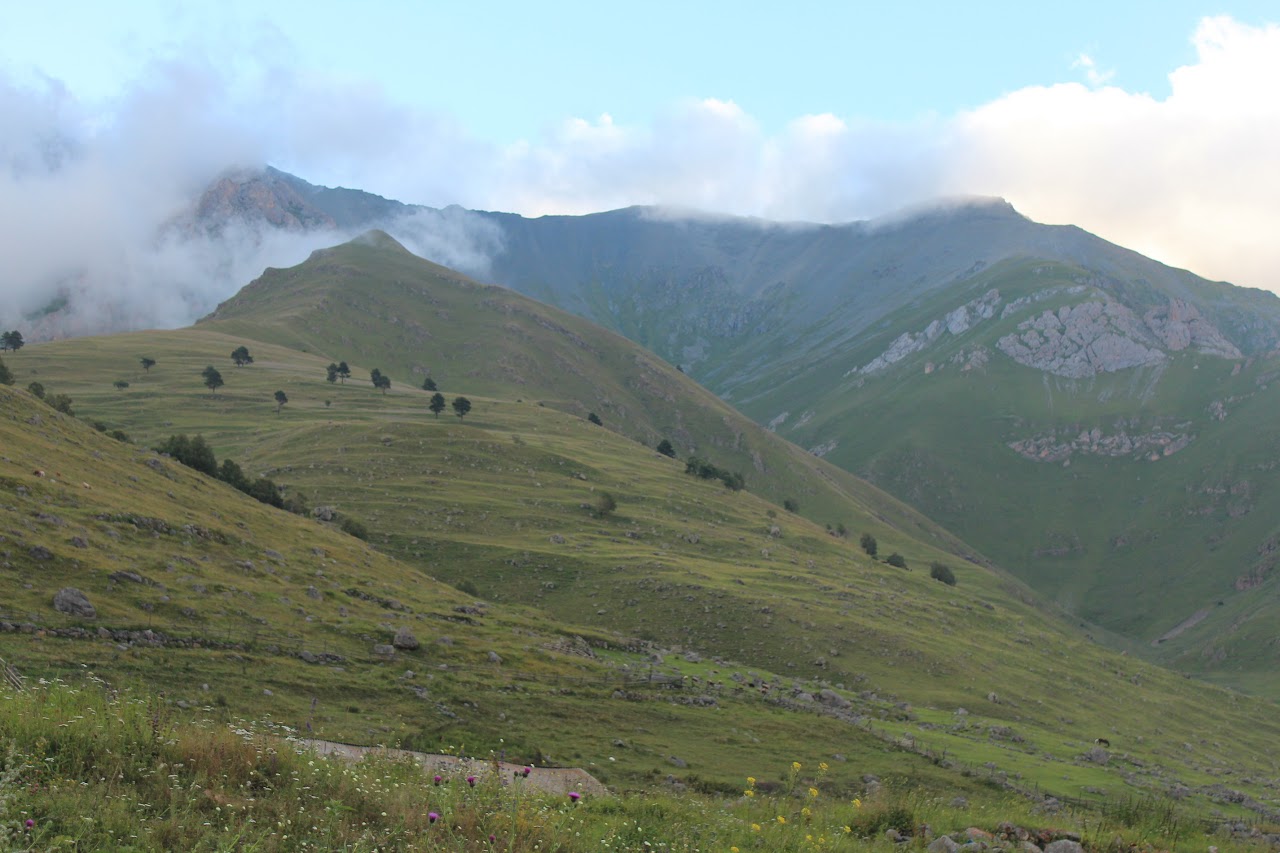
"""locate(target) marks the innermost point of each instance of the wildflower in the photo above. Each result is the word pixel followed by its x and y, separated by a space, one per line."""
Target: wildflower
pixel 575 796
pixel 438 779
pixel 781 819
pixel 847 829
pixel 751 780
pixel 806 812
pixel 492 838
pixel 755 827
pixel 733 850
pixel 795 765
pixel 823 767
pixel 527 769
pixel 857 803
pixel 30 823
pixel 748 793
pixel 813 792
pixel 471 780
pixel 433 817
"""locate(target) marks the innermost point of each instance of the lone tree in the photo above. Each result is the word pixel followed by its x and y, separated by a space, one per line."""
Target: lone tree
pixel 461 405
pixel 11 341
pixel 380 380
pixel 665 448
pixel 331 373
pixel 868 543
pixel 429 384
pixel 240 355
pixel 212 379
pixel 896 560
pixel 281 399
pixel 437 404
pixel 147 363
pixel 344 372
pixel 790 505
pixel 595 419
pixel 120 384
pixel 36 389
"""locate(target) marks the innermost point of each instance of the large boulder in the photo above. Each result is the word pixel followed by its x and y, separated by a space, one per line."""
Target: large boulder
pixel 405 640
pixel 73 602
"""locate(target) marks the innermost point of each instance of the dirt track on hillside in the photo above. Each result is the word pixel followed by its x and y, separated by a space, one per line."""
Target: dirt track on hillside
pixel 553 780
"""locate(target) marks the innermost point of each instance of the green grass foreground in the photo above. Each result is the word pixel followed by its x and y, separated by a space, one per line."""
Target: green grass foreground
pixel 89 768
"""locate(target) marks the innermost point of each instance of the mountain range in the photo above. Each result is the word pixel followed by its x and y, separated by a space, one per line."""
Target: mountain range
pixel 1095 421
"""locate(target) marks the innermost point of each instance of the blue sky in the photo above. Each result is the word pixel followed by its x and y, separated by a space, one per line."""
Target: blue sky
pixel 1154 125
pixel 508 70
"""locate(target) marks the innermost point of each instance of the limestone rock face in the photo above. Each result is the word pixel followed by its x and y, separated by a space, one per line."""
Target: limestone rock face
pixel 1179 325
pixel 1079 341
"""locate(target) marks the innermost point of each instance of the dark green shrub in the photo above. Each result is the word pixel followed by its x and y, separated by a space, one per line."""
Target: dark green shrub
pixel 354 528
pixel 896 560
pixel 868 543
pixel 940 572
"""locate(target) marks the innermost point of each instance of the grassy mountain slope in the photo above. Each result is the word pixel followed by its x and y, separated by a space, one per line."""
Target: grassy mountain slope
pixel 1140 541
pixel 495 501
pixel 372 303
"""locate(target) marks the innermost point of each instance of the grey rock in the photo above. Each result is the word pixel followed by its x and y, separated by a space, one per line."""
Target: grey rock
pixel 309 657
pixel 1063 845
pixel 127 577
pixel 494 657
pixel 678 762
pixel 39 552
pixel 943 844
pixel 557 539
pixel 405 640
pixel 385 649
pixel 829 697
pixel 312 592
pixel 79 542
pixel 73 602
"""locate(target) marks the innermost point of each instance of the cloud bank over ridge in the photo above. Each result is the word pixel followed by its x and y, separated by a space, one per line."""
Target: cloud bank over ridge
pixel 86 189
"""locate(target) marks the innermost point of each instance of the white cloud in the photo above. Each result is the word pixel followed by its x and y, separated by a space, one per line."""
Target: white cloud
pixel 1189 178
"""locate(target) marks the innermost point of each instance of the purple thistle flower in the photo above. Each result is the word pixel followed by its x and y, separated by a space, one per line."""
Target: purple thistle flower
pixel 30 823
pixel 471 780
pixel 438 779
pixel 527 769
pixel 492 838
pixel 433 817
pixel 575 796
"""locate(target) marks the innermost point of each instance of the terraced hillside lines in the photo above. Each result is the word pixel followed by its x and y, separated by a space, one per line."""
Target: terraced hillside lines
pixel 372 302
pixel 503 503
pixel 232 610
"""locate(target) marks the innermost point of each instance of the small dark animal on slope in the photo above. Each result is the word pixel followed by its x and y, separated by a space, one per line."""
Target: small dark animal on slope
pixel 1103 742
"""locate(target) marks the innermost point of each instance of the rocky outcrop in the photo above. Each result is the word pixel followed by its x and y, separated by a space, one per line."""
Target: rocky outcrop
pixel 1079 341
pixel 1056 447
pixel 1179 326
pixel 956 322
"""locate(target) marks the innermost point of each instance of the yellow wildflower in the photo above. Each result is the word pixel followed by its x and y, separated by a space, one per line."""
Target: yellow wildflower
pixel 781 819
pixel 805 811
pixel 847 829
pixel 857 803
pixel 813 792
pixel 748 793
pixel 733 850
pixel 755 827
pixel 795 765
pixel 823 767
pixel 751 780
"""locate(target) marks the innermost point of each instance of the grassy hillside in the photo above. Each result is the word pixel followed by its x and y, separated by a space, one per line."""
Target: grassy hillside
pixel 955 688
pixel 1136 543
pixel 373 304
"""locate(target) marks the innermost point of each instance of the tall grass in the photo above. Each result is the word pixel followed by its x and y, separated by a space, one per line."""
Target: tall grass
pixel 86 768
